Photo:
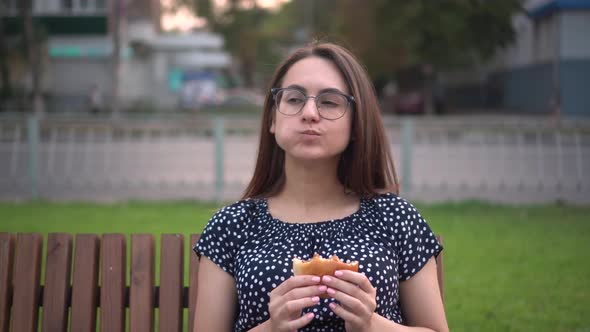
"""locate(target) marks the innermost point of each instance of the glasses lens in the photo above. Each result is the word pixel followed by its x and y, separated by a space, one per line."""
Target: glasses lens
pixel 331 105
pixel 290 101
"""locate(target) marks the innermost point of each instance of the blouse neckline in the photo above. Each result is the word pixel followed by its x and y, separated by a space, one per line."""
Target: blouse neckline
pixel 351 216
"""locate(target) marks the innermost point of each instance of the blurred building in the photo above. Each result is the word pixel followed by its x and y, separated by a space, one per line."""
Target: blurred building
pixel 78 53
pixel 545 71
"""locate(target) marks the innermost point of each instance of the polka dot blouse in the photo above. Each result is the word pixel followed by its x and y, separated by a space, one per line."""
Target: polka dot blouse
pixel 388 237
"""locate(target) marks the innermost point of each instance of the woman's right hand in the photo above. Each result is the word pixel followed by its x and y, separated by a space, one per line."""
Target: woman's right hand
pixel 290 298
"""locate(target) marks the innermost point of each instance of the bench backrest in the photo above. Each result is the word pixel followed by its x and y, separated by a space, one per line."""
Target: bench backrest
pixel 71 293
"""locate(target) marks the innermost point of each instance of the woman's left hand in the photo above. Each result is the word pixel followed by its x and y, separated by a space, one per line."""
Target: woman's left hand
pixel 356 296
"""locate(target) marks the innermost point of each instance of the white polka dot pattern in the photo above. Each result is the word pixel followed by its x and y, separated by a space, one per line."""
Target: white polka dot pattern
pixel 386 235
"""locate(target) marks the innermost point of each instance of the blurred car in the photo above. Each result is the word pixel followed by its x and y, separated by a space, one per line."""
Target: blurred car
pixel 409 102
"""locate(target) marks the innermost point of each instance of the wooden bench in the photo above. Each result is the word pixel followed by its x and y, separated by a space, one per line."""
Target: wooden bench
pixel 72 305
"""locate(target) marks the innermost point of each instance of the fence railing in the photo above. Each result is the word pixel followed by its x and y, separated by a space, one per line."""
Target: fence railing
pixel 544 162
pixel 213 158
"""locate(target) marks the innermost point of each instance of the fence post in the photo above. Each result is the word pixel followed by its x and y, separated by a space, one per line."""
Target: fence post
pixel 33 144
pixel 540 160
pixel 406 154
pixel 219 145
pixel 558 143
pixel 579 162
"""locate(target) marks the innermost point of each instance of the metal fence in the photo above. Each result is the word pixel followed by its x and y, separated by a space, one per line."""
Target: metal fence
pixel 506 162
pixel 212 158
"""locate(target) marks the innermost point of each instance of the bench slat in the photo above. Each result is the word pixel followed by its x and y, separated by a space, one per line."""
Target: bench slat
pixel 171 282
pixel 6 261
pixel 112 291
pixel 141 303
pixel 27 268
pixel 57 282
pixel 193 287
pixel 85 283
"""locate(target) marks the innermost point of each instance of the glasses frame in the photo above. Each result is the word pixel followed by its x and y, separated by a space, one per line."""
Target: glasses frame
pixel 276 91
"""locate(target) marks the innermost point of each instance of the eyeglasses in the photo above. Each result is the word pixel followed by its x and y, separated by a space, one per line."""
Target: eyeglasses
pixel 330 105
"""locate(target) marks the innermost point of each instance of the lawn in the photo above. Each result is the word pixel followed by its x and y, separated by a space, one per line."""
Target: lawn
pixel 506 268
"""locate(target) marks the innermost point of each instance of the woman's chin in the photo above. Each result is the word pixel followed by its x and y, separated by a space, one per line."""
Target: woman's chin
pixel 313 152
pixel 313 156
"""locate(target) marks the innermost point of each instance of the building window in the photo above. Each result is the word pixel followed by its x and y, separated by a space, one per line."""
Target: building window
pixel 11 6
pixel 67 5
pixel 101 4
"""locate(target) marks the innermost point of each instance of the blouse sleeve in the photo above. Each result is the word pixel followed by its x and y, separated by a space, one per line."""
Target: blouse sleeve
pixel 220 238
pixel 414 240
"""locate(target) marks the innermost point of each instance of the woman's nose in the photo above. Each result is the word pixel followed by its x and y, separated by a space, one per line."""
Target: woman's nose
pixel 310 110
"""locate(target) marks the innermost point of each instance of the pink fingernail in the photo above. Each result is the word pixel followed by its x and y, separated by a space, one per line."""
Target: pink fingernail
pixel 316 279
pixel 338 273
pixel 315 299
pixel 332 305
pixel 331 291
pixel 327 279
pixel 309 315
pixel 322 288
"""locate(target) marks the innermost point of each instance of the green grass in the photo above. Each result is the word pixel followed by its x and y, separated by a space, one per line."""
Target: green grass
pixel 515 269
pixel 506 268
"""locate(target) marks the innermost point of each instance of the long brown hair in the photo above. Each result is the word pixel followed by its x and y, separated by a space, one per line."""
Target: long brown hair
pixel 366 167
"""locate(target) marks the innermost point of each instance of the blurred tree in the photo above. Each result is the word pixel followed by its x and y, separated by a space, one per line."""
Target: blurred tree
pixel 450 33
pixel 204 8
pixel 33 38
pixel 391 35
pixel 240 24
pixel 241 29
pixel 388 35
pixel 4 69
pixel 119 8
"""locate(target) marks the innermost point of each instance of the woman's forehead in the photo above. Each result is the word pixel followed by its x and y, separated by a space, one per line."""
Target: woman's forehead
pixel 315 74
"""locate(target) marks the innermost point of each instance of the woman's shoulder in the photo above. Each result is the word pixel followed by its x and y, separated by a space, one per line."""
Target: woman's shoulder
pixel 389 200
pixel 405 222
pixel 392 207
pixel 236 212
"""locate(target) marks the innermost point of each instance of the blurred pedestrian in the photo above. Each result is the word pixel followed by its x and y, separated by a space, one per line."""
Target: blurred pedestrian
pixel 95 99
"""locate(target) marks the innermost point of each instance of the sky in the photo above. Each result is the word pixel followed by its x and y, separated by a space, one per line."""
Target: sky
pixel 185 20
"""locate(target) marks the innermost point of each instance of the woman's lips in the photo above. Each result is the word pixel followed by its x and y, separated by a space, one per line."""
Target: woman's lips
pixel 310 136
pixel 310 132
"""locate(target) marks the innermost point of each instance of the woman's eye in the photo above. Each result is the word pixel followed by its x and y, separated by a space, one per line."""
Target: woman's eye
pixel 327 103
pixel 294 100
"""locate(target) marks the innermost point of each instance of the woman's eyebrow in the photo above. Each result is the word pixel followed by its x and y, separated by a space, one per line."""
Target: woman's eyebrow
pixel 304 90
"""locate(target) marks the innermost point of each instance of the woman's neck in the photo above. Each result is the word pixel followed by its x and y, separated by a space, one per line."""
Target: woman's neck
pixel 312 183
pixel 312 192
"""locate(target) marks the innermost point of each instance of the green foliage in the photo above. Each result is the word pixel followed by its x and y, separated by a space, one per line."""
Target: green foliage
pixel 203 8
pixel 393 34
pixel 521 268
pixel 240 27
pixel 244 36
pixel 386 34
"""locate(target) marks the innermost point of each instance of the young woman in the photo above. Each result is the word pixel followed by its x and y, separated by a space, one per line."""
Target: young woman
pixel 324 183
